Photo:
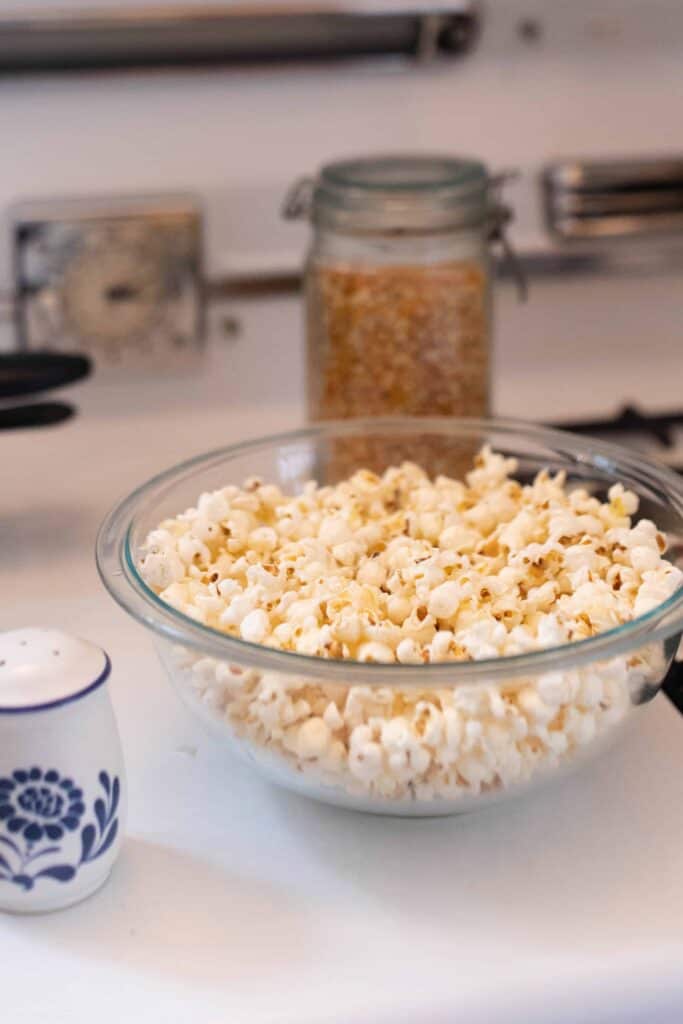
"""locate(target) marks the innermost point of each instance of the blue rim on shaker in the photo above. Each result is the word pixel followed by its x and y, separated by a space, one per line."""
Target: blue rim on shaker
pixel 24 709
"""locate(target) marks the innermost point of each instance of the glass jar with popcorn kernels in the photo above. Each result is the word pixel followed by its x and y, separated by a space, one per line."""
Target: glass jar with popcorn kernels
pixel 398 286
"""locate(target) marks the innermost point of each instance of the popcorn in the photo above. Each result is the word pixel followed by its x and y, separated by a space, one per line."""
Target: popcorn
pixel 313 738
pixel 214 506
pixel 263 538
pixel 238 609
pixel 204 530
pixel 445 600
pixel 332 718
pixel 365 761
pixel 162 568
pixel 255 626
pixel 554 688
pixel 534 707
pixel 334 530
pixel 482 640
pixel 373 651
pixel 622 502
pixel 644 559
pixel 408 652
pixel 402 569
pixel 229 588
pixel 656 588
pixel 348 553
pixel 440 647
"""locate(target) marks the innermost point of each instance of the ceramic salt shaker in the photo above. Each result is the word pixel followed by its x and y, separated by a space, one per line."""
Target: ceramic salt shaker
pixel 62 795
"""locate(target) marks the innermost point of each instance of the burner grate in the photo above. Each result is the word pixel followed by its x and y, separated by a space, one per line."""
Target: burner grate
pixel 631 422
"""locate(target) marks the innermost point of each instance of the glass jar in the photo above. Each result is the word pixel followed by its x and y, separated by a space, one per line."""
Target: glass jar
pixel 398 286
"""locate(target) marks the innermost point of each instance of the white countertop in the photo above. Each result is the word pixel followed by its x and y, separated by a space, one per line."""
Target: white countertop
pixel 236 902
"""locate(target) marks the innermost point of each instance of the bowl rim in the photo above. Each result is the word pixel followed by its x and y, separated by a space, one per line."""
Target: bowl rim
pixel 120 576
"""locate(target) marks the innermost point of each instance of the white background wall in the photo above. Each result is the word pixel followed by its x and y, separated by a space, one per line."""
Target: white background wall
pixel 605 78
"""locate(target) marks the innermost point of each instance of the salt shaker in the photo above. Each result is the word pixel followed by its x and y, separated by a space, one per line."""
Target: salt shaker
pixel 62 788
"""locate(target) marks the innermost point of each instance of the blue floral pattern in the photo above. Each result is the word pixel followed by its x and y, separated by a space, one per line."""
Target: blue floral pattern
pixel 37 809
pixel 37 804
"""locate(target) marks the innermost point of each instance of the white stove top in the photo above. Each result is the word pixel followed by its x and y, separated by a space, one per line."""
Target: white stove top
pixel 235 902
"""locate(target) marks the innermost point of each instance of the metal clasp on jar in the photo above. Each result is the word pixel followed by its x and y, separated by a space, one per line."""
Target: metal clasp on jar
pixel 297 202
pixel 501 215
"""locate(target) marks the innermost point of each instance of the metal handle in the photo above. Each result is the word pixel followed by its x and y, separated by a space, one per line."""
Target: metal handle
pixel 609 198
pixel 26 373
pixel 297 202
pixel 187 34
pixel 40 414
pixel 501 217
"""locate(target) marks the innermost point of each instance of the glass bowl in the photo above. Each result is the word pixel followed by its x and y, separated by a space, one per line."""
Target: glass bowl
pixel 503 724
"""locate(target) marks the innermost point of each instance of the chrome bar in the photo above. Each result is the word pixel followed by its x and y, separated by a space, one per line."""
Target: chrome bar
pixel 602 199
pixel 610 261
pixel 191 36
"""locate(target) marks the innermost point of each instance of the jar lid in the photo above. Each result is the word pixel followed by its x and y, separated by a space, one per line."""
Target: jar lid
pixel 408 192
pixel 41 668
pixel 404 173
